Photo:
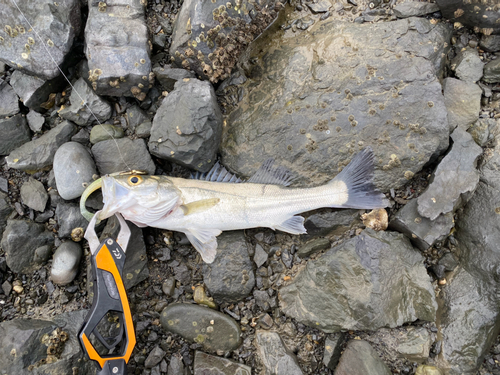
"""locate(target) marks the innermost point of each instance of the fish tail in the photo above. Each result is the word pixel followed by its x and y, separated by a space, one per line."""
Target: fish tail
pixel 358 179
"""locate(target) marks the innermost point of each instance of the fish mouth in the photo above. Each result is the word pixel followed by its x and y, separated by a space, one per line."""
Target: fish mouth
pixel 113 196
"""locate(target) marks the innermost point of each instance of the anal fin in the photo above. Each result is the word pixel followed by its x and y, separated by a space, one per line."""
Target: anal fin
pixel 294 225
pixel 204 241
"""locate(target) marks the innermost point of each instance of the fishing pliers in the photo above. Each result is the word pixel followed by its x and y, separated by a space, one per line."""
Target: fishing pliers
pixel 110 301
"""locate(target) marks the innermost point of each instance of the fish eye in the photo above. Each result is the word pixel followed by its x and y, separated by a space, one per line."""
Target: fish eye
pixel 134 180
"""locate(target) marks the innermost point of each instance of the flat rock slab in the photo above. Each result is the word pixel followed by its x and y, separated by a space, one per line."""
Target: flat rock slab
pixel 9 102
pixel 334 91
pixel 391 286
pixel 86 106
pixel 39 154
pixel 469 322
pixel 230 278
pixel 205 364
pixel 116 155
pixel 359 358
pixel 414 9
pixel 463 102
pixel 210 328
pixel 455 176
pixel 20 240
pixel 57 23
pixel 421 231
pixel 275 356
pixel 15 132
pixel 117 49
pixel 34 195
pixel 24 343
pixel 187 127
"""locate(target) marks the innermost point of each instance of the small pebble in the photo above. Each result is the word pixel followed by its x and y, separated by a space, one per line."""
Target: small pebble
pixel 65 263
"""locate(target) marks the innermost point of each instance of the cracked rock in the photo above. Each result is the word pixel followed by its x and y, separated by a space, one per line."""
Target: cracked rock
pixel 463 102
pixel 455 178
pixel 275 356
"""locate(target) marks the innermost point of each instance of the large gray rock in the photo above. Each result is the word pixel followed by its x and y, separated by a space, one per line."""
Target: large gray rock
pixel 209 37
pixel 15 132
pixel 85 106
pixel 39 154
pixel 414 9
pixel 69 217
pixel 116 155
pixel 168 76
pixel 421 231
pixel 73 170
pixel 274 355
pixel 20 240
pixel 188 125
pixel 482 16
pixel 205 364
pixel 359 358
pixel 492 71
pixel 21 48
pixel 314 102
pixel 469 322
pixel 117 49
pixel 376 297
pixel 212 329
pixel 467 65
pixel 463 102
pixel 65 263
pixel 5 211
pixel 33 91
pixel 230 278
pixel 34 195
pixel 455 178
pixel 24 344
pixel 9 102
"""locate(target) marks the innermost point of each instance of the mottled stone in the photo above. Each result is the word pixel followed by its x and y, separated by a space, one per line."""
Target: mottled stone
pixel 210 328
pixel 230 278
pixel 275 356
pixel 359 358
pixel 205 364
pixel 39 154
pixel 463 102
pixel 15 133
pixel 377 298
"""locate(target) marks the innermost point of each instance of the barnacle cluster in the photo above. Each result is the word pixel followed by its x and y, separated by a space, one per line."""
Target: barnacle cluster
pixel 213 51
pixel 55 342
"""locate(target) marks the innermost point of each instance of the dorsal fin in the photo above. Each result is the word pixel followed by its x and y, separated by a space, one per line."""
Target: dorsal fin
pixel 217 174
pixel 266 174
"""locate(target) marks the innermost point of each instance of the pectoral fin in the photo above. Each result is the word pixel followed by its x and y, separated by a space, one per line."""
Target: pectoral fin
pixel 199 206
pixel 204 242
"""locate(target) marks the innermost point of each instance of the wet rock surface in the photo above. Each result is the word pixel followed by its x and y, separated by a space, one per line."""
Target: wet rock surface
pixel 21 48
pixel 338 103
pixel 319 63
pixel 39 153
pixel 15 133
pixel 454 179
pixel 212 329
pixel 316 296
pixel 481 16
pixel 117 49
pixel 188 126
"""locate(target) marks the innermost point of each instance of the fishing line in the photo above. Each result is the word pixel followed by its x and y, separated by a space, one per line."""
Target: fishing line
pixel 72 87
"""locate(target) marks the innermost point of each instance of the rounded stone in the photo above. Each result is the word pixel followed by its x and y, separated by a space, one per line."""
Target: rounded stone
pixel 73 170
pixel 212 329
pixel 65 263
pixel 104 132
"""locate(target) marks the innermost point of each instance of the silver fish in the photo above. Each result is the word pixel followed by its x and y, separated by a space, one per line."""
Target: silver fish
pixel 203 208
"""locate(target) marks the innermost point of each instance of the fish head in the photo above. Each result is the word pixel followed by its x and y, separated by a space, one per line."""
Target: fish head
pixel 139 198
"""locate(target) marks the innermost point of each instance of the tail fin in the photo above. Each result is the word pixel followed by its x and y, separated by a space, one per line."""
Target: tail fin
pixel 358 176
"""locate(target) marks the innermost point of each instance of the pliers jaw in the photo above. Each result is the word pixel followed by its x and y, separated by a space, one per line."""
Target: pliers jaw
pixel 122 238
